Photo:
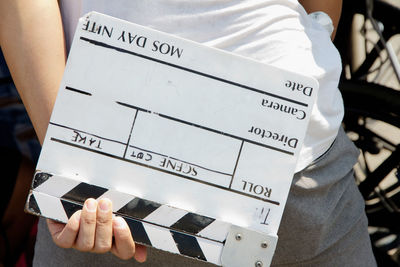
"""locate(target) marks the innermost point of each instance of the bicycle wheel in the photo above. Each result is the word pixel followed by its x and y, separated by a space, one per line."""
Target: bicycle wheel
pixel 372 121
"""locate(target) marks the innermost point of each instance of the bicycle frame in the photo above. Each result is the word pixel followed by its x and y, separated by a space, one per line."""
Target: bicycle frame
pixel 387 46
pixel 382 16
pixel 367 103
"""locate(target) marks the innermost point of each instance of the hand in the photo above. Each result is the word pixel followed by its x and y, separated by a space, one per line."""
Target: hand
pixel 91 230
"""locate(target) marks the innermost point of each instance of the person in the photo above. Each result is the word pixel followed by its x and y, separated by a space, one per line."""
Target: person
pixel 324 223
pixel 19 150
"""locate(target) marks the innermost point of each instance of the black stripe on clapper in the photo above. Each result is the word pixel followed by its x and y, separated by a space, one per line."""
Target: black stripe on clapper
pixel 138 232
pixel 192 223
pixel 83 191
pixel 70 207
pixel 33 206
pixel 40 178
pixel 188 245
pixel 139 208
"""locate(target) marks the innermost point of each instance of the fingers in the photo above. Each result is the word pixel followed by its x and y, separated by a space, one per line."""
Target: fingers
pixel 124 246
pixel 91 229
pixel 87 229
pixel 64 235
pixel 103 238
pixel 140 253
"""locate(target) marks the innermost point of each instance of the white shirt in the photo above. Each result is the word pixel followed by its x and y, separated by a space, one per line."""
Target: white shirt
pixel 276 32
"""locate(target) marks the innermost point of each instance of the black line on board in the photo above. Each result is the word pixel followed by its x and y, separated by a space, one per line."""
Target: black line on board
pixel 94 42
pixel 130 133
pixel 180 160
pixel 148 111
pixel 73 129
pixel 132 106
pixel 226 134
pixel 78 91
pixel 237 161
pixel 162 170
pixel 208 129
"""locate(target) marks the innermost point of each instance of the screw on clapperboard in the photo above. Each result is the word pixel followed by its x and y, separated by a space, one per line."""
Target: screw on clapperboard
pixel 259 263
pixel 238 237
pixel 264 244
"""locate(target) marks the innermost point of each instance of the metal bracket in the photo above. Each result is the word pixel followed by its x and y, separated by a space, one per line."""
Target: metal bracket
pixel 244 247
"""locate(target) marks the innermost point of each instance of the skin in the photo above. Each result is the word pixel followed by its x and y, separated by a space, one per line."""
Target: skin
pixel 31 44
pixel 331 7
pixel 34 49
pixel 91 230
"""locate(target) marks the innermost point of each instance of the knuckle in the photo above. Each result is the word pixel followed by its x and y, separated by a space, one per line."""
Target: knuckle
pixel 72 227
pixel 125 256
pixel 84 246
pixel 124 235
pixel 90 220
pixel 102 249
pixel 104 220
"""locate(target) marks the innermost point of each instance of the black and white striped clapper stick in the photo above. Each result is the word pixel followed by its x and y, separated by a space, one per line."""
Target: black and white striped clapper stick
pixel 152 224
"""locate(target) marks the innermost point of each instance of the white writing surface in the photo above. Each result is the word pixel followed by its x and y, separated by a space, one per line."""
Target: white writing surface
pixel 178 123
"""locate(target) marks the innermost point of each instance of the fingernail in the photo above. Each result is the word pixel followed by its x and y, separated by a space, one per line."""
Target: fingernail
pixel 91 205
pixel 119 222
pixel 104 205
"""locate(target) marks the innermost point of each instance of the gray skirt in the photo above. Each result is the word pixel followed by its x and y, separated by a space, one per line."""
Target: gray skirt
pixel 324 223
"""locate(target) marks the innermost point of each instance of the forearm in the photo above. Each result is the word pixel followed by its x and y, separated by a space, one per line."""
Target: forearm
pixel 331 7
pixel 32 41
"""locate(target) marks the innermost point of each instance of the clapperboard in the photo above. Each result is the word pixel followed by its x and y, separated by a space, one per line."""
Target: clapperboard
pixel 196 147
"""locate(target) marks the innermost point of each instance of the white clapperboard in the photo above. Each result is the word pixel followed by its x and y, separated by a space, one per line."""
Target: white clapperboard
pixel 196 147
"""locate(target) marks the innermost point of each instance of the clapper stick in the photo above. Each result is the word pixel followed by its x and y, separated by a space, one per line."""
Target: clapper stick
pixel 152 224
pixel 196 147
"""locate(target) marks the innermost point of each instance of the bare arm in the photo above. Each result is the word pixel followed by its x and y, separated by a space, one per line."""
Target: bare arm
pixel 32 40
pixel 331 7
